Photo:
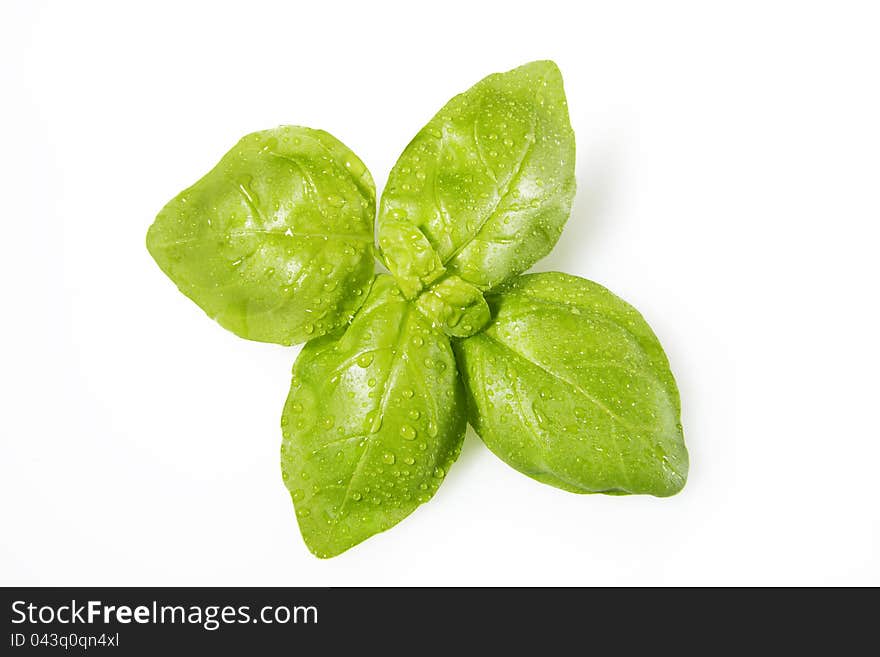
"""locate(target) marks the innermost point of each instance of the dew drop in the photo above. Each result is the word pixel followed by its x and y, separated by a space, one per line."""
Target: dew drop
pixel 375 422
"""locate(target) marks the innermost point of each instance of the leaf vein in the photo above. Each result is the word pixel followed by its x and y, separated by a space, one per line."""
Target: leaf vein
pixel 592 399
pixel 383 404
pixel 505 192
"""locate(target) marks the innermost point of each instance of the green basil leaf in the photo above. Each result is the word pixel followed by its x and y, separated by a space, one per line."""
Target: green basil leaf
pixel 488 182
pixel 455 307
pixel 276 241
pixel 374 419
pixel 570 386
pixel 416 263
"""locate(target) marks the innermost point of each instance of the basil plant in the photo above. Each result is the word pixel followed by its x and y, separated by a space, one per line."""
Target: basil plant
pixel 560 378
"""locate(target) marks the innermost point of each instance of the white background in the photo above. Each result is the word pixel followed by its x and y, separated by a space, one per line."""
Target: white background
pixel 729 188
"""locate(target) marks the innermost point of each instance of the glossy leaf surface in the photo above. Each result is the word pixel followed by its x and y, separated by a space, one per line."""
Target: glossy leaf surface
pixel 374 419
pixel 569 385
pixel 276 241
pixel 454 306
pixel 484 189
